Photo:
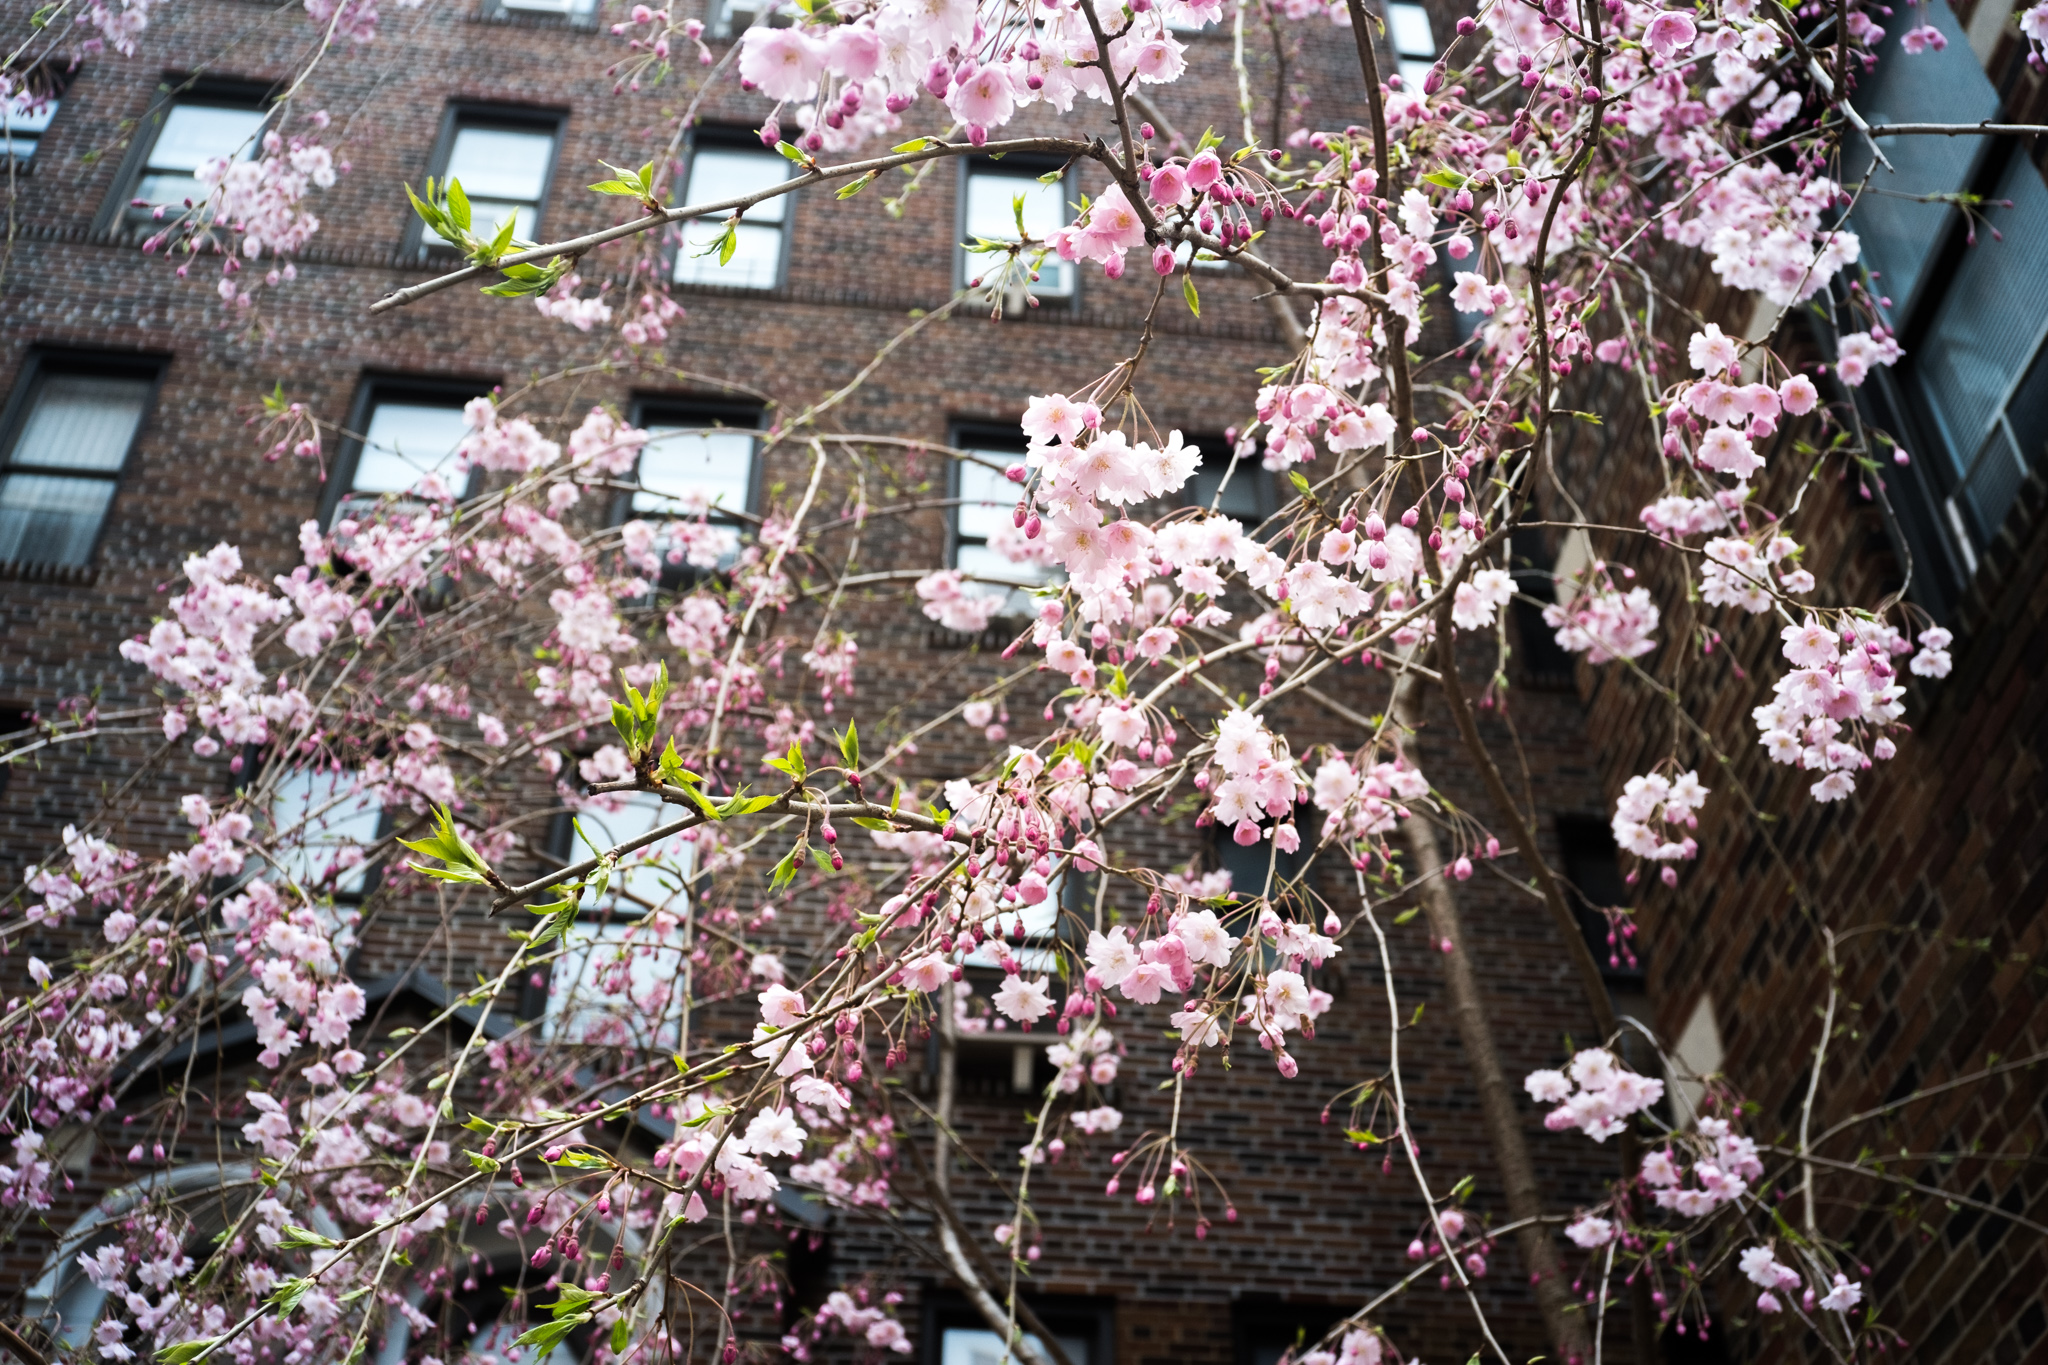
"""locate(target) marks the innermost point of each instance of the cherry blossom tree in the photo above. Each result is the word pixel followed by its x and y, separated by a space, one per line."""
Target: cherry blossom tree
pixel 441 657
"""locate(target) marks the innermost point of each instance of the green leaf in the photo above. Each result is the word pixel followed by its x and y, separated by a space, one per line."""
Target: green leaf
pixel 580 1160
pixel 1295 477
pixel 458 204
pixel 465 864
pixel 486 1164
pixel 743 805
pixel 916 144
pixel 1410 913
pixel 295 1237
pixel 287 1295
pixel 569 1299
pixel 784 873
pixel 1187 291
pixel 791 763
pixel 790 152
pixel 183 1351
pixel 544 1337
pixel 728 244
pixel 504 237
pixel 622 1332
pixel 1449 180
pixel 616 187
pixel 850 189
pixel 849 746
pixel 869 822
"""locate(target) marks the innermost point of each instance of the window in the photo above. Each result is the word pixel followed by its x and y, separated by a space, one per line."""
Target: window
pixel 70 434
pixel 404 439
pixel 698 461
pixel 956 1335
pixel 989 211
pixel 1544 662
pixel 193 130
pixel 1413 41
pixel 621 978
pixel 324 823
pixel 723 167
pixel 737 16
pixel 24 118
pixel 1259 869
pixel 987 545
pixel 578 12
pixel 1970 399
pixel 504 160
pixel 1248 496
pixel 1592 868
pixel 1263 1329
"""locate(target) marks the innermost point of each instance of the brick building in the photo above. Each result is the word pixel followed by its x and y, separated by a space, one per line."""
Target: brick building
pixel 514 97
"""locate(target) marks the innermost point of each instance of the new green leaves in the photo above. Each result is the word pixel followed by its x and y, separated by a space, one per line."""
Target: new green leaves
pixel 629 184
pixel 295 1238
pixel 637 717
pixel 449 214
pixel 464 864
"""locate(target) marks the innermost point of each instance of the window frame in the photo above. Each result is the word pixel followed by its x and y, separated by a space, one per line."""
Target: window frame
pixel 585 17
pixel 422 245
pixel 647 410
pixel 1064 1315
pixel 730 137
pixel 40 364
pixel 983 437
pixel 1402 58
pixel 113 221
pixel 371 389
pixel 1249 465
pixel 1011 165
pixel 58 83
pixel 615 911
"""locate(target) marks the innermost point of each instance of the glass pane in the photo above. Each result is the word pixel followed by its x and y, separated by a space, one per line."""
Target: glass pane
pixel 20 146
pixel 991 211
pixel 654 874
pixel 573 8
pixel 404 442
pixel 501 163
pixel 1990 319
pixel 680 469
pixel 756 258
pixel 82 421
pixel 50 520
pixel 992 566
pixel 1994 482
pixel 979 1346
pixel 728 172
pixel 24 113
pixel 1408 26
pixel 1948 86
pixel 1241 499
pixel 323 825
pixel 485 216
pixel 2027 411
pixel 194 134
pixel 988 500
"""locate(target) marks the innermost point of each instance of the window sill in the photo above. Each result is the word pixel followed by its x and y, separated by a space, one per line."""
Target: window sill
pixel 66 575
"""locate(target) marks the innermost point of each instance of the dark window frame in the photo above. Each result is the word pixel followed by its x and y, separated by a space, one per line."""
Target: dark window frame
pixel 498 12
pixel 1011 164
pixel 681 410
pixel 43 361
pixel 1587 856
pixel 730 137
pixel 372 388
pixel 423 245
pixel 1251 467
pixel 112 219
pixel 1092 1319
pixel 58 83
pixel 982 435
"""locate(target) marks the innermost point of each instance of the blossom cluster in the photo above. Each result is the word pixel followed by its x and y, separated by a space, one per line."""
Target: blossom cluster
pixel 1595 1094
